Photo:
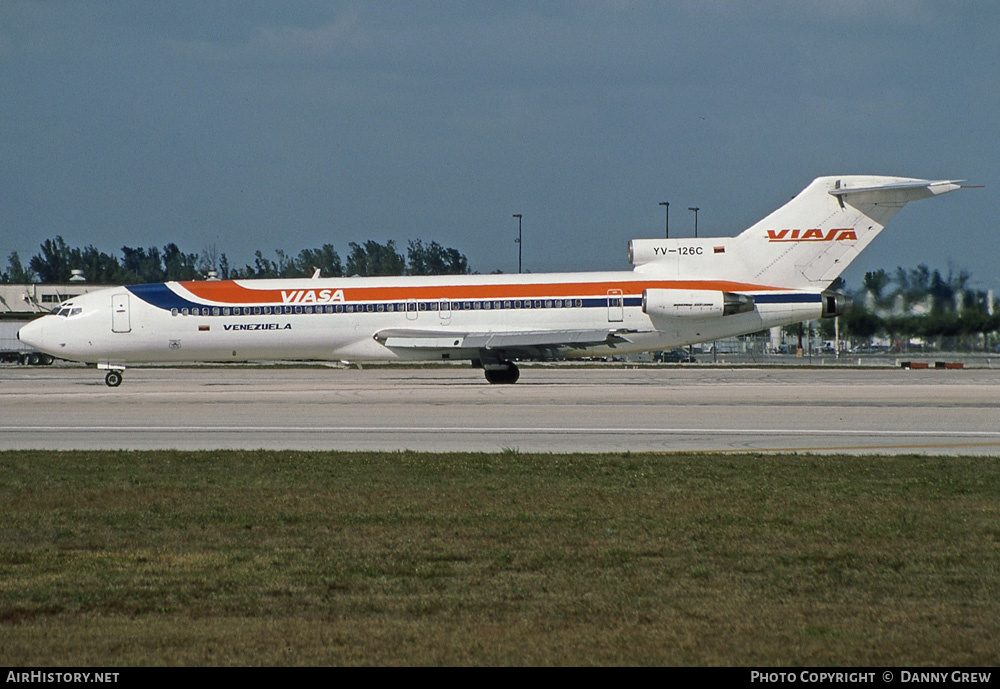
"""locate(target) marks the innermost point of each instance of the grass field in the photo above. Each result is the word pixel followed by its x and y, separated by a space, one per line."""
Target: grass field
pixel 279 558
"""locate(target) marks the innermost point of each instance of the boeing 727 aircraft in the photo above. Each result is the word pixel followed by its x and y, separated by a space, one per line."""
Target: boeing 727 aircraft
pixel 681 291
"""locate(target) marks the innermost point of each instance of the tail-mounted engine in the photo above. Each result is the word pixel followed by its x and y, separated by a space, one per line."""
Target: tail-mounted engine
pixel 694 303
pixel 835 304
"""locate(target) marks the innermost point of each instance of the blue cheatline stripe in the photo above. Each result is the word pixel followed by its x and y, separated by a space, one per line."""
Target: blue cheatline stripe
pixel 791 298
pixel 161 296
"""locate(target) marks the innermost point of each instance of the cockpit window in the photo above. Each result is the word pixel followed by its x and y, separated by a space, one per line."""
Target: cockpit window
pixel 62 312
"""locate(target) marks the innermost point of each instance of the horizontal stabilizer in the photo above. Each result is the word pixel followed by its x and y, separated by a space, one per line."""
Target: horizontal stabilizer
pixel 923 188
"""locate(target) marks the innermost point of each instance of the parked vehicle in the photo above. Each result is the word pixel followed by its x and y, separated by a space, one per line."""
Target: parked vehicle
pixel 13 351
pixel 675 356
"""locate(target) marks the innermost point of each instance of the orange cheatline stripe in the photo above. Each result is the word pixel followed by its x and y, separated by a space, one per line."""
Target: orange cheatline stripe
pixel 231 292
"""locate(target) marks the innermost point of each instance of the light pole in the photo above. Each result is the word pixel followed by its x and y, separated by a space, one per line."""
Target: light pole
pixel 518 241
pixel 666 204
pixel 695 209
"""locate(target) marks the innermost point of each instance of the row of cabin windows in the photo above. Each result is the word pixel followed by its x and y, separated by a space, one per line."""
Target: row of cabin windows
pixel 391 307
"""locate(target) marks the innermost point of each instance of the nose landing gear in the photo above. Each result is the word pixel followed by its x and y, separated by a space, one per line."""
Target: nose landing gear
pixel 113 377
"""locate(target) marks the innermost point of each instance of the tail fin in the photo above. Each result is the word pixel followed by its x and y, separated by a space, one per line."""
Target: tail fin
pixel 808 242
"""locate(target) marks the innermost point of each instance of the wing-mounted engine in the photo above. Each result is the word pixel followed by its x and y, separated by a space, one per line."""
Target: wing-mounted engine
pixel 694 303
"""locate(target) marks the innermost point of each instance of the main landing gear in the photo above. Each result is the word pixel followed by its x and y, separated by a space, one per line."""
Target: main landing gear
pixel 503 372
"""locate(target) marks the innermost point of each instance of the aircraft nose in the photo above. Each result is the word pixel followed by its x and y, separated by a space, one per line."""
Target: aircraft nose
pixel 33 334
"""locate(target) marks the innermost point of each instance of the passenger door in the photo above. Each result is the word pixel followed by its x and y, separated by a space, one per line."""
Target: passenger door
pixel 616 306
pixel 121 321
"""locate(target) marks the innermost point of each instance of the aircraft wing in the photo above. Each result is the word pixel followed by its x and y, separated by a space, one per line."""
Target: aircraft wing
pixel 541 344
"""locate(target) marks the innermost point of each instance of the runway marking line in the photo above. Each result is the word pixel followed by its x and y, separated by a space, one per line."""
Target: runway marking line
pixel 505 430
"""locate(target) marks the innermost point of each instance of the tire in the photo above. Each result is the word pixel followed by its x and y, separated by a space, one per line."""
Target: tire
pixel 113 379
pixel 503 376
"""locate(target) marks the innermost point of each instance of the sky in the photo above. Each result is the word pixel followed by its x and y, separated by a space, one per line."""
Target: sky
pixel 241 126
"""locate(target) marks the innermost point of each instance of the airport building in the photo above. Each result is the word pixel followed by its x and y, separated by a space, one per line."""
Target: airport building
pixel 28 301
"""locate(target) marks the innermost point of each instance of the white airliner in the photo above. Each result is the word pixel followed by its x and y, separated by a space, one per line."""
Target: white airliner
pixel 681 291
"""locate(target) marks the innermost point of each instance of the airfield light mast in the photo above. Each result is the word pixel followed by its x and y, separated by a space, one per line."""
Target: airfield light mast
pixel 518 241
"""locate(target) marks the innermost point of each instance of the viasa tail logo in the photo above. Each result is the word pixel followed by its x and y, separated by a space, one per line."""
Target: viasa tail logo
pixel 835 235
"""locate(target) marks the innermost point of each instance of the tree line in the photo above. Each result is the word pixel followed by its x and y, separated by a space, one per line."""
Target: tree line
pixel 56 261
pixel 921 305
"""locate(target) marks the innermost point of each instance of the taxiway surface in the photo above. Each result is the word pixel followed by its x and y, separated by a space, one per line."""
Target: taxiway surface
pixel 552 409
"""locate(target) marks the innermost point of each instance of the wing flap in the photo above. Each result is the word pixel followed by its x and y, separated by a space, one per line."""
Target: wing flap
pixel 537 342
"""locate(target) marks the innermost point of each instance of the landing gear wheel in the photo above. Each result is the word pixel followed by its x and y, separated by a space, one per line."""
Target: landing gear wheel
pixel 506 375
pixel 113 379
